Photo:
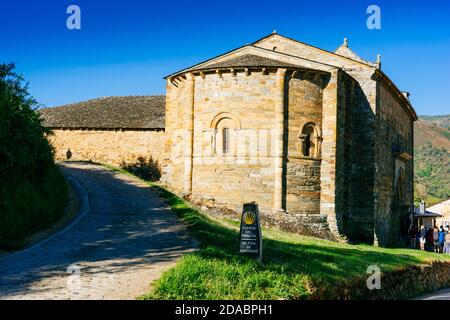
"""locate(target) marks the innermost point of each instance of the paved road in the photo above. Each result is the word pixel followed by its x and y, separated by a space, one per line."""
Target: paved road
pixel 127 237
pixel 438 295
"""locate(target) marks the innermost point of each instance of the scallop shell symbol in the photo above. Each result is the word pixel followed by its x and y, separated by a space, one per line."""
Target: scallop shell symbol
pixel 249 217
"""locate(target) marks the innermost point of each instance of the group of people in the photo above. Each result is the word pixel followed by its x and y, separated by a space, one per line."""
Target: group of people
pixel 431 239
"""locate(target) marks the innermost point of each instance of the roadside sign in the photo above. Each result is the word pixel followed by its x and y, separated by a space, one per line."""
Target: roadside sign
pixel 250 238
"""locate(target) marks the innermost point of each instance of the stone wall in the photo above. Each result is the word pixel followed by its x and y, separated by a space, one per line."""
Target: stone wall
pixel 394 136
pixel 110 146
pixel 355 162
pixel 304 105
pixel 348 153
pixel 174 128
pixel 246 103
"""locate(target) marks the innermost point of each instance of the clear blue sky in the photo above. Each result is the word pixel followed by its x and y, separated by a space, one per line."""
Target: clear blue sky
pixel 126 47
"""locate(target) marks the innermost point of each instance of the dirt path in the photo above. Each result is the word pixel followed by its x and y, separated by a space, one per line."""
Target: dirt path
pixel 125 239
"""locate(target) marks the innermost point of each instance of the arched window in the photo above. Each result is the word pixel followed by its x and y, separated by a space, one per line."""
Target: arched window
pixel 225 126
pixel 310 140
pixel 225 140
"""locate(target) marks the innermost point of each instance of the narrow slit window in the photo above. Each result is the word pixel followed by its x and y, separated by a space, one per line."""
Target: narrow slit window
pixel 309 140
pixel 307 146
pixel 226 140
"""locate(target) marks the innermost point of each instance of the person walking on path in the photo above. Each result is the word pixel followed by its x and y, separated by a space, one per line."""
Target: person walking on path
pixel 412 236
pixel 423 233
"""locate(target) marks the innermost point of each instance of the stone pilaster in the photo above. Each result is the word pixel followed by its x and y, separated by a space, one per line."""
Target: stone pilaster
pixel 328 166
pixel 188 133
pixel 279 140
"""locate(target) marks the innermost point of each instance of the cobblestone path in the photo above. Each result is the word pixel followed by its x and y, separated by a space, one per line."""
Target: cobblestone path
pixel 124 239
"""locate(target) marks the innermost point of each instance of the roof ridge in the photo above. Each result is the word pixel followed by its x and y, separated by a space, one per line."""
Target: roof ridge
pixel 103 98
pixel 365 62
pixel 133 112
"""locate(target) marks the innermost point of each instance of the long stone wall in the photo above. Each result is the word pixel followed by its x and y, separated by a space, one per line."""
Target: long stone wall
pixel 110 146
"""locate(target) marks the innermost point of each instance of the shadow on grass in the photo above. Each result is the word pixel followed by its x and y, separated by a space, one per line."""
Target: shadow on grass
pixel 291 270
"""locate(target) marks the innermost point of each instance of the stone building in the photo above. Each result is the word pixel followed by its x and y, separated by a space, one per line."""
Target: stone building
pixel 443 209
pixel 111 130
pixel 322 141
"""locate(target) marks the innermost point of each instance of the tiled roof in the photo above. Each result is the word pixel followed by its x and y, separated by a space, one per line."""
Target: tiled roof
pixel 248 60
pixel 129 112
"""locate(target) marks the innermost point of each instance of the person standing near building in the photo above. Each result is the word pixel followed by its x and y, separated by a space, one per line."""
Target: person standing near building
pixel 412 236
pixel 435 239
pixel 447 241
pixel 430 239
pixel 423 233
pixel 441 239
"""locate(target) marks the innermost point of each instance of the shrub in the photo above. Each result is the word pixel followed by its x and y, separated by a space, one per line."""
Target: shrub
pixel 33 193
pixel 144 169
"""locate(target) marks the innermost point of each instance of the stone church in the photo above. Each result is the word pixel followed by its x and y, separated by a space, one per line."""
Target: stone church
pixel 322 141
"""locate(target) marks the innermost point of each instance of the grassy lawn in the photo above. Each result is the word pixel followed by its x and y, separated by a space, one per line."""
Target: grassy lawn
pixel 294 265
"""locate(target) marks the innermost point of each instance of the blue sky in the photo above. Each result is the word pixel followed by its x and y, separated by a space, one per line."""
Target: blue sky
pixel 126 47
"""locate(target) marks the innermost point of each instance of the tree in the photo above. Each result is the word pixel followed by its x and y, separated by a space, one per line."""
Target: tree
pixel 24 149
pixel 33 193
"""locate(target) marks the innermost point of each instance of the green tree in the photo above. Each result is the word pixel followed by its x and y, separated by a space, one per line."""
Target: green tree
pixel 29 179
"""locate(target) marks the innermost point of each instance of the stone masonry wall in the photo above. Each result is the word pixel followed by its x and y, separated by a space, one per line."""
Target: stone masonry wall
pixel 356 160
pixel 304 106
pixel 395 134
pixel 110 146
pixel 352 201
pixel 175 99
pixel 246 103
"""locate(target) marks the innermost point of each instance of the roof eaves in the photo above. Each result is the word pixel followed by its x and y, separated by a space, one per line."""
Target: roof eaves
pixel 204 61
pixel 195 67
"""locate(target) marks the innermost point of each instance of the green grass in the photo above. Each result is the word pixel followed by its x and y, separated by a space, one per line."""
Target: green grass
pixel 294 265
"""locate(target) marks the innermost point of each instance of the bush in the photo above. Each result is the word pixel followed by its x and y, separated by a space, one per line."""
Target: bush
pixel 147 170
pixel 27 208
pixel 33 193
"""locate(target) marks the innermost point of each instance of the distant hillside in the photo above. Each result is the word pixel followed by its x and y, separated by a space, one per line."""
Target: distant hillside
pixel 432 154
pixel 440 121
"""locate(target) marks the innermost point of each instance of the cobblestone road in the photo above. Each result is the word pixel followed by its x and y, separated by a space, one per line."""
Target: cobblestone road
pixel 125 240
pixel 438 295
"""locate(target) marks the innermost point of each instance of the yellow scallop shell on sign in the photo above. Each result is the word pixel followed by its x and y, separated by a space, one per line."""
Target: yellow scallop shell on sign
pixel 249 217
